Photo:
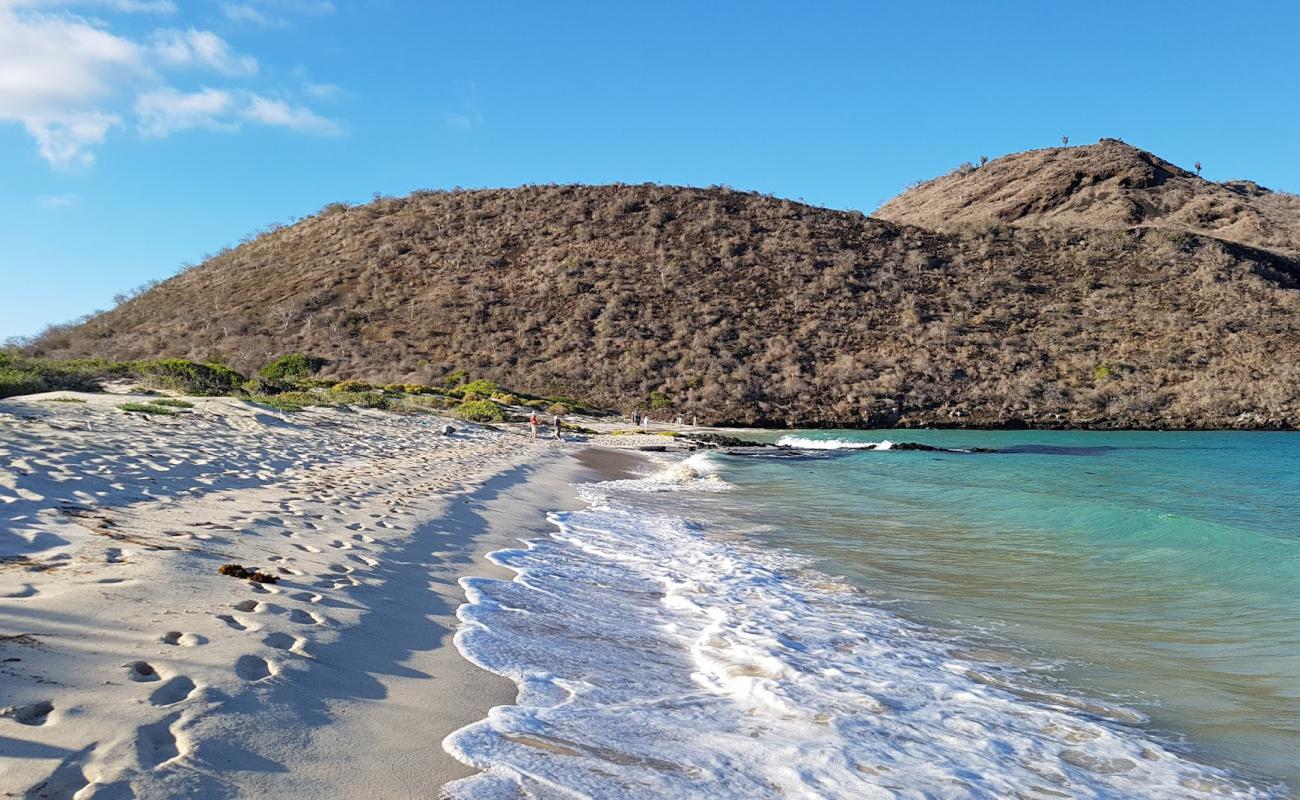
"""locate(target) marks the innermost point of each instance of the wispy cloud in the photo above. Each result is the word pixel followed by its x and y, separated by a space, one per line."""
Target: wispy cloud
pixel 57 200
pixel 280 114
pixel 204 49
pixel 70 81
pixel 167 111
pixel 463 121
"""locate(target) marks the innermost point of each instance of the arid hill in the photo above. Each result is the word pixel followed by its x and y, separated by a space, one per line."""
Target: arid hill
pixel 1105 185
pixel 742 308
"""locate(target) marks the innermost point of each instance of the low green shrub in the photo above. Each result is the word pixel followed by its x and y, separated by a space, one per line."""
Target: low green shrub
pixel 174 402
pixel 279 402
pixel 23 375
pixel 295 366
pixel 265 386
pixel 558 409
pixel 506 398
pixel 454 378
pixel 481 387
pixel 418 388
pixel 480 411
pixel 15 382
pixel 149 408
pixel 352 386
pixel 63 400
pixel 190 377
pixel 660 400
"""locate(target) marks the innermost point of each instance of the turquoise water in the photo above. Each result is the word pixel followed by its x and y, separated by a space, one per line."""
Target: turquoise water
pixel 1159 570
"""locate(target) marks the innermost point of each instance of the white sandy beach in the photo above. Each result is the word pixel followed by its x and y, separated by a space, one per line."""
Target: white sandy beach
pixel 130 668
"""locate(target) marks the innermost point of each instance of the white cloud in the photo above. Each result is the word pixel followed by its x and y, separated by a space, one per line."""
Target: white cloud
pixel 242 12
pixel 202 49
pixel 323 91
pixel 121 6
pixel 280 114
pixel 55 74
pixel 70 81
pixel 165 111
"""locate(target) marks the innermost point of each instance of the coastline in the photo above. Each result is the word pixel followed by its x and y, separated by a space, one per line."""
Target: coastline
pixel 130 665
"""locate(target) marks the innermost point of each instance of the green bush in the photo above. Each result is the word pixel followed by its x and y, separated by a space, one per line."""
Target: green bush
pixel 265 386
pixel 417 388
pixel 481 387
pixel 63 400
pixel 190 377
pixel 659 400
pixel 454 378
pixel 352 386
pixel 506 398
pixel 295 366
pixel 558 409
pixel 22 375
pixel 174 402
pixel 149 408
pixel 15 382
pixel 480 411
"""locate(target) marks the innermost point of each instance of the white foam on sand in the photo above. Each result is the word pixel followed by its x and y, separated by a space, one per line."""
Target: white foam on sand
pixel 655 659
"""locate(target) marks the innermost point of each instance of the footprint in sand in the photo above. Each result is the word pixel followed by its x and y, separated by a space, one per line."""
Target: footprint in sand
pixel 141 671
pixel 27 591
pixel 306 548
pixel 341 568
pixel 361 537
pixel 289 571
pixel 338 544
pixel 155 744
pixel 253 668
pixel 262 588
pixel 285 641
pixel 182 639
pixel 235 623
pixel 31 714
pixel 173 691
pixel 247 606
pixel 307 597
pixel 113 555
pixel 305 617
pixel 369 562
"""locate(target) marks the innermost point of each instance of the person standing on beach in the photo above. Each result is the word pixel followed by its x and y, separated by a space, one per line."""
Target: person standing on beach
pixel 533 423
pixel 558 424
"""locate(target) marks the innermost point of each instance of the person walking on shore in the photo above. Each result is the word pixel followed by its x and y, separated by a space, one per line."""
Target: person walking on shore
pixel 558 425
pixel 533 424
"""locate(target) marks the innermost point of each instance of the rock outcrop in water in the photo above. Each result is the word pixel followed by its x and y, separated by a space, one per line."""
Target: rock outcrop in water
pixel 1091 287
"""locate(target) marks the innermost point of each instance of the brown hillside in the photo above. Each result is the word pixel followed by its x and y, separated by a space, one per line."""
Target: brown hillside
pixel 1105 185
pixel 744 308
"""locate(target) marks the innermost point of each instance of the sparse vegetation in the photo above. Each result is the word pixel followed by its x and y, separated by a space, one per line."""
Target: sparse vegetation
pixel 173 402
pixel 750 309
pixel 63 400
pixel 148 408
pixel 293 367
pixel 187 377
pixel 480 411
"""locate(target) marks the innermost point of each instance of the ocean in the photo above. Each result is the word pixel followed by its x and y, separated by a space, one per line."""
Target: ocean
pixel 1074 614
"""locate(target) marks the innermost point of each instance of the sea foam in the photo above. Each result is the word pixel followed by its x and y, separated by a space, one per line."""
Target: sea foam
pixel 657 659
pixel 805 443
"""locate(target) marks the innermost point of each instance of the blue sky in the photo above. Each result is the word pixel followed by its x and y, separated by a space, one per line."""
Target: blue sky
pixel 138 135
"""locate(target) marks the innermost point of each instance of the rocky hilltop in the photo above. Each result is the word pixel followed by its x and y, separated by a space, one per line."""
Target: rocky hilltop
pixel 1093 286
pixel 1105 185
